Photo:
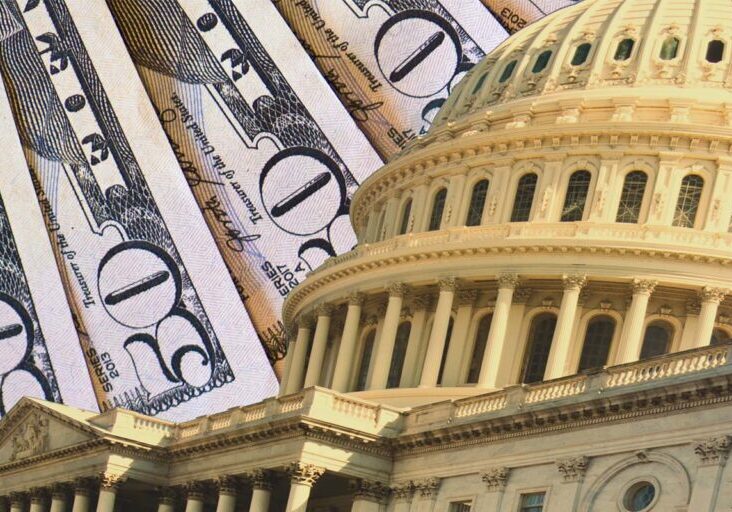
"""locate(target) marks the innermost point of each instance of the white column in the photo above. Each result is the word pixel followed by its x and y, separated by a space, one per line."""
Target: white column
pixel 382 357
pixel 436 345
pixel 227 487
pixel 369 496
pixel 691 325
pixel 287 364
pixel 710 299
pixel 194 496
pixel 59 495
pixel 17 502
pixel 297 369
pixel 261 481
pixel 345 366
pixel 496 347
pixel 166 499
pixel 713 454
pixel 559 357
pixel 82 493
pixel 302 479
pixel 108 486
pixel 412 365
pixel 459 342
pixel 631 341
pixel 320 343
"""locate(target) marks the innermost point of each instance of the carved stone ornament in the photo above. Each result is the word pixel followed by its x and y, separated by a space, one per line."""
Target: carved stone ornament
pixel 17 499
pixel 305 322
pixel 83 486
pixel 508 280
pixel 448 284
pixel 306 474
pixel 397 289
pixel 228 484
pixel 31 438
pixel 38 495
pixel 467 297
pixel 643 286
pixel 522 295
pixel 60 491
pixel 496 478
pixel 356 299
pixel 167 496
pixel 573 469
pixel 110 481
pixel 324 309
pixel 711 294
pixel 260 479
pixel 404 491
pixel 574 281
pixel 693 307
pixel 371 491
pixel 428 488
pixel 195 490
pixel 714 450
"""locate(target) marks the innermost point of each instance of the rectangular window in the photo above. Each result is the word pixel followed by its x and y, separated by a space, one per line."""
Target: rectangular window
pixel 532 502
pixel 460 506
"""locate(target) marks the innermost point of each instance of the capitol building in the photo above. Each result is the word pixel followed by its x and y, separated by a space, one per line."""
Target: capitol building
pixel 537 316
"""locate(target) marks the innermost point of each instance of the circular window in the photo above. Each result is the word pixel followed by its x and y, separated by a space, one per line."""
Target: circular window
pixel 639 497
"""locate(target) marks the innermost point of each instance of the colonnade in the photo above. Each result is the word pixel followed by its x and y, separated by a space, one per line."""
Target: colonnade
pixel 499 351
pixel 78 496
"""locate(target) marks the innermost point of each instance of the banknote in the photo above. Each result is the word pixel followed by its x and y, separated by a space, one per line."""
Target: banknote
pixel 40 355
pixel 270 153
pixel 162 327
pixel 393 62
pixel 516 14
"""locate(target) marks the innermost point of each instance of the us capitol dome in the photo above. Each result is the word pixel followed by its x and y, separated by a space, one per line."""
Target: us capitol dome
pixel 537 316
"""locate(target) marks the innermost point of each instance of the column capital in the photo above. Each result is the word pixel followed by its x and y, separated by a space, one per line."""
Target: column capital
pixel 448 284
pixel 60 491
pixel 110 481
pixel 496 478
pixel 403 491
pixel 574 281
pixel 712 295
pixel 37 495
pixel 714 450
pixel 522 295
pixel 195 490
pixel 356 299
pixel 573 469
pixel 507 280
pixel 466 297
pixel 372 491
pixel 167 495
pixel 228 484
pixel 429 487
pixel 17 499
pixel 324 309
pixel 260 479
pixel 305 321
pixel 643 286
pixel 83 486
pixel 397 289
pixel 306 474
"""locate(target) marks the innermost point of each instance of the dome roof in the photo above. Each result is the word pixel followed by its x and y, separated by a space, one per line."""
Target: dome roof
pixel 629 46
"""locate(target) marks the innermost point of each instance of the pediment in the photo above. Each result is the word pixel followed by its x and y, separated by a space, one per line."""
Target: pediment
pixel 31 429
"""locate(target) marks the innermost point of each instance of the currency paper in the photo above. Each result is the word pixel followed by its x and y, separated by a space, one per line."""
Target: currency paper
pixel 163 328
pixel 40 355
pixel 268 150
pixel 516 14
pixel 393 62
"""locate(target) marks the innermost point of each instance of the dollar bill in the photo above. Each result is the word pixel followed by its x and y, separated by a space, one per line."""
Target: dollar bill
pixel 516 14
pixel 40 355
pixel 393 62
pixel 162 327
pixel 268 150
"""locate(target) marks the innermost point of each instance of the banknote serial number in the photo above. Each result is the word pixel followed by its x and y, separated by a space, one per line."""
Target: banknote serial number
pixel 514 19
pixel 103 367
pixel 281 277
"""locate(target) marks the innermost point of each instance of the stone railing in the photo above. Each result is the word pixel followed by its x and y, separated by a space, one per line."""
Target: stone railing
pixel 516 398
pixel 317 403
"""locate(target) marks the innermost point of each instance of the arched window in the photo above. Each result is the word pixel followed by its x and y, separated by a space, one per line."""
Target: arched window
pixel 398 355
pixel 448 339
pixel 581 53
pixel 688 202
pixel 524 198
pixel 537 352
pixel 477 203
pixel 438 206
pixel 507 71
pixel 596 347
pixel 363 370
pixel 624 49
pixel 479 346
pixel 479 83
pixel 657 339
pixel 542 61
pixel 380 225
pixel 406 212
pixel 719 336
pixel 670 48
pixel 574 201
pixel 715 51
pixel 631 199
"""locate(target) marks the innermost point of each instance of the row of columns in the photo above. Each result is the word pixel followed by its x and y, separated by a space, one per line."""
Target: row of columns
pixel 37 499
pixel 497 347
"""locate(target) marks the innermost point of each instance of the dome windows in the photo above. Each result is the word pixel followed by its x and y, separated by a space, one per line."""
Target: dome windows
pixel 576 197
pixel 624 50
pixel 639 497
pixel 670 48
pixel 398 355
pixel 596 347
pixel 715 51
pixel 477 203
pixel 542 61
pixel 657 340
pixel 479 83
pixel 581 53
pixel 524 198
pixel 540 342
pixel 687 204
pixel 507 71
pixel 366 352
pixel 438 207
pixel 479 346
pixel 631 197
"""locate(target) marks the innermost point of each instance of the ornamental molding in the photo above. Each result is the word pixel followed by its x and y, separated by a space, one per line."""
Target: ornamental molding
pixel 643 286
pixel 228 484
pixel 262 479
pixel 195 490
pixel 397 290
pixel 496 478
pixel 31 437
pixel 448 284
pixel 305 474
pixel 167 495
pixel 324 309
pixel 60 491
pixel 356 299
pixel 712 295
pixel 508 281
pixel 403 491
pixel 428 488
pixel 370 491
pixel 573 469
pixel 111 481
pixel 38 495
pixel 714 450
pixel 574 281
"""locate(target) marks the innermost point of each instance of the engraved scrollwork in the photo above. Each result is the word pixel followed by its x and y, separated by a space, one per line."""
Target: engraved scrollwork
pixel 306 474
